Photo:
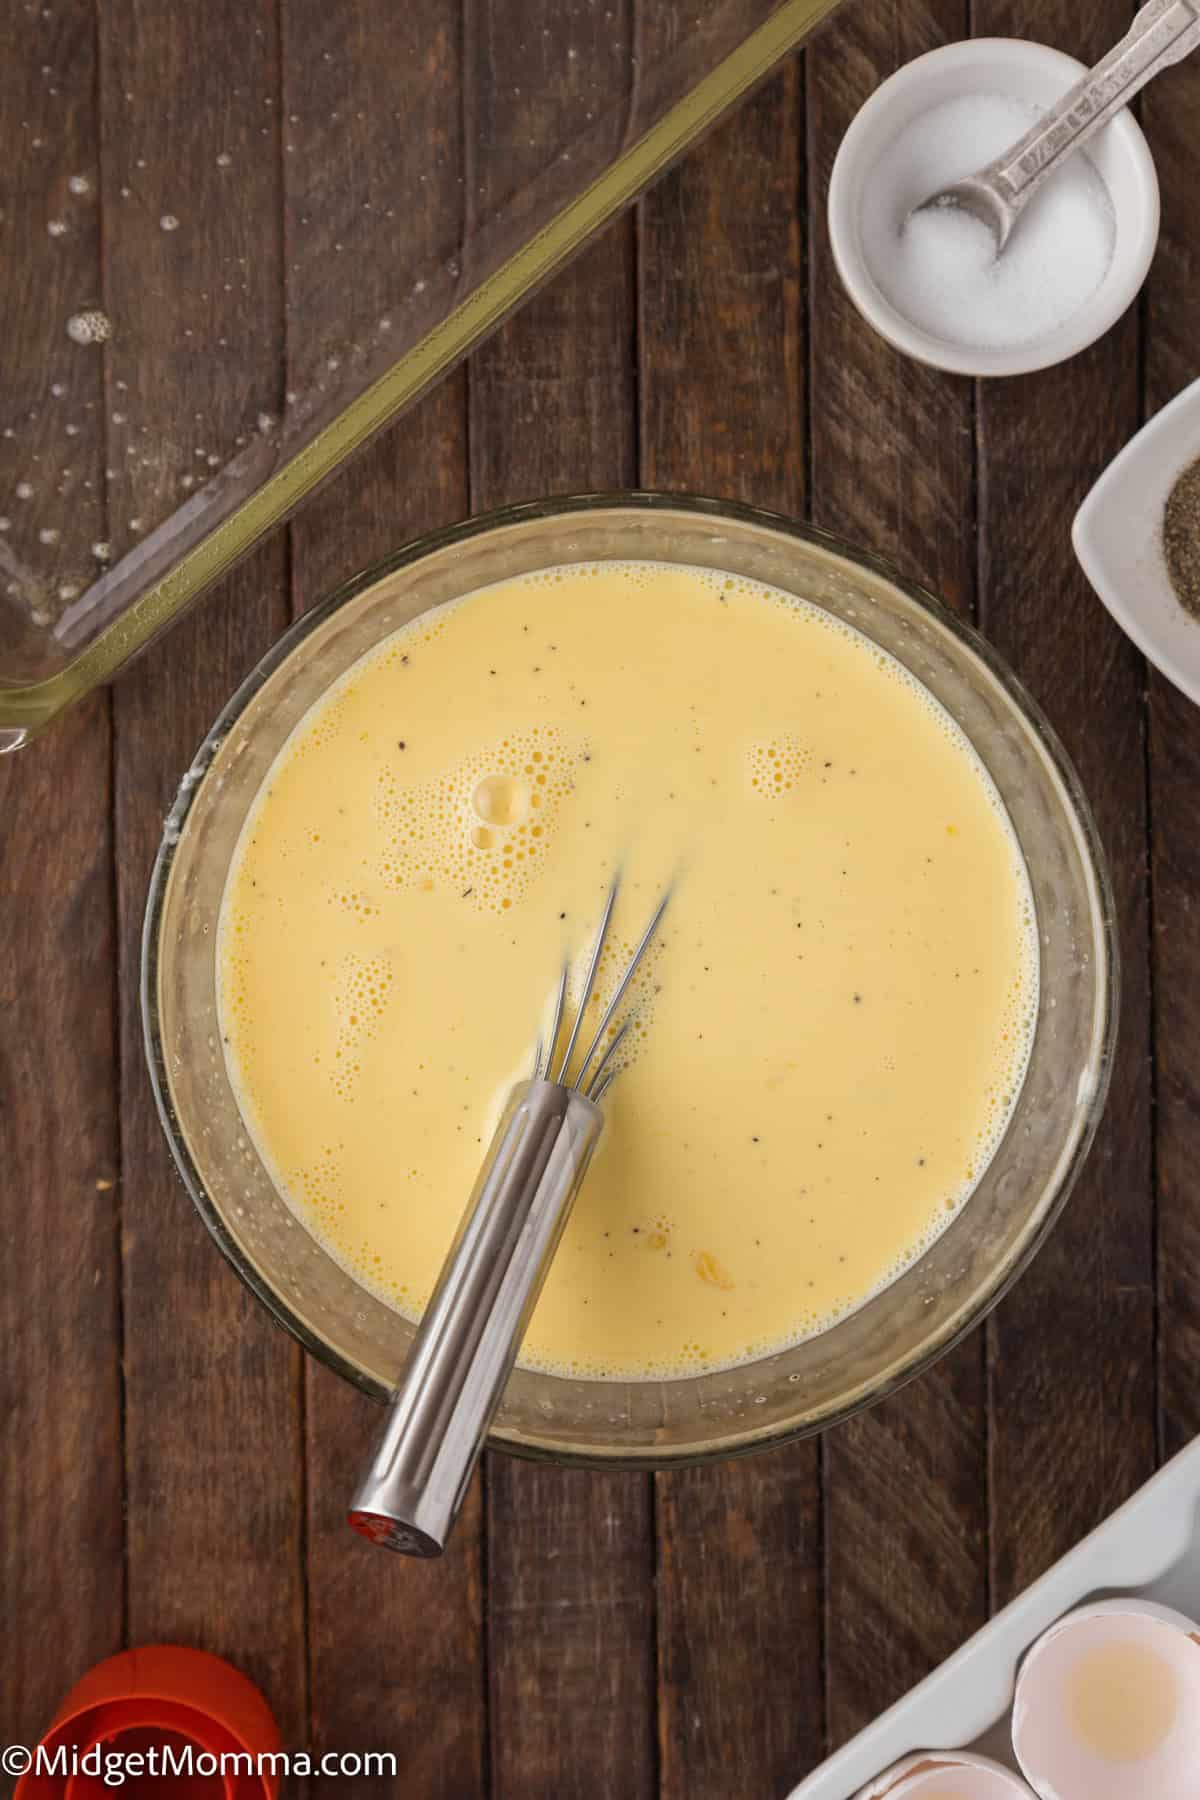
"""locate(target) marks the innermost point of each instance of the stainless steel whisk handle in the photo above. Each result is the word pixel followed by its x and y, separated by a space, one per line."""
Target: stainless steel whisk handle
pixel 472 1329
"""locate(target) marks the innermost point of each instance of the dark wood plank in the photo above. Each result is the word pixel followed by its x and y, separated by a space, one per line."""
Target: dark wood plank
pixel 723 411
pixel 395 1646
pixel 905 1484
pixel 1072 1349
pixel 1171 115
pixel 722 380
pixel 213 1447
pixel 892 441
pixel 570 1553
pixel 406 1676
pixel 60 1393
pixel 60 1386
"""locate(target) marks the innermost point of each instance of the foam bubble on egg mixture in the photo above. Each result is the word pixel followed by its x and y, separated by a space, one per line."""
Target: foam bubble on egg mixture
pixel 938 265
pixel 483 828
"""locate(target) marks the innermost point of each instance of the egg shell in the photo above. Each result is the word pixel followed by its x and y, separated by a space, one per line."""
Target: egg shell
pixel 957 1773
pixel 1056 1763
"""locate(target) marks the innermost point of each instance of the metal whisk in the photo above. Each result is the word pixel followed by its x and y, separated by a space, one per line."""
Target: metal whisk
pixel 472 1328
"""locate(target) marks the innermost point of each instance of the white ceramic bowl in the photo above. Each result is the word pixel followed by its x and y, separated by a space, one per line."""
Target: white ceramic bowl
pixel 1020 71
pixel 1118 540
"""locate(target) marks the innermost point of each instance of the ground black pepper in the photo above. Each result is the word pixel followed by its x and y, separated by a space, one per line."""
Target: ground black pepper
pixel 1181 537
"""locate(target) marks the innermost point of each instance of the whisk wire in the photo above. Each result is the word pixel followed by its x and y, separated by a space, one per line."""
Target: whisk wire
pixel 589 984
pixel 617 1039
pixel 622 986
pixel 560 1001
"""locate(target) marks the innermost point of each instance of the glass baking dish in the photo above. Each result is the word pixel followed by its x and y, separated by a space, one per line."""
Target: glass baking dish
pixel 208 309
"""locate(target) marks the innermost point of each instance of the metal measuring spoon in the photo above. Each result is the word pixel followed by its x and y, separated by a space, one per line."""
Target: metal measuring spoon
pixel 1163 32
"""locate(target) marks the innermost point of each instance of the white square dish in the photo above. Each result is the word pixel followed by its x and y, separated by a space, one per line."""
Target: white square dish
pixel 1117 536
pixel 1149 1547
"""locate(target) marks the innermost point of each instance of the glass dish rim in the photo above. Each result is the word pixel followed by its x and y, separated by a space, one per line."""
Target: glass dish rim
pixel 744 1442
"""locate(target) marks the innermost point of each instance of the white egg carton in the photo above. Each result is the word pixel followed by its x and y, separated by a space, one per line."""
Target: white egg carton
pixel 1149 1548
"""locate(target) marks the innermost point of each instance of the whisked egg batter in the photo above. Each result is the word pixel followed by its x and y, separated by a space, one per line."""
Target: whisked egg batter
pixel 831 1031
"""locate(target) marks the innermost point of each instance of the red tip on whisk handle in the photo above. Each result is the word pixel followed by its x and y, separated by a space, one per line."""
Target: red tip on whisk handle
pixel 377 1528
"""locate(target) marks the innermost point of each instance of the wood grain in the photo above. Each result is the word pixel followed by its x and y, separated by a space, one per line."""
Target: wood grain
pixel 893 453
pixel 570 1553
pixel 723 403
pixel 893 469
pixel 722 386
pixel 61 1590
pixel 1072 1349
pixel 1171 115
pixel 212 1414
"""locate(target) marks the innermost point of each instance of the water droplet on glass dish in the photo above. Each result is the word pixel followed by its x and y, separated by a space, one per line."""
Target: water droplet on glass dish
pixel 136 525
pixel 266 423
pixel 118 418
pixel 169 222
pixel 79 184
pixel 48 535
pixel 68 590
pixel 23 490
pixel 57 389
pixel 125 193
pixel 214 462
pixel 89 327
pixel 56 227
pixel 102 551
pixel 5 523
pixel 72 430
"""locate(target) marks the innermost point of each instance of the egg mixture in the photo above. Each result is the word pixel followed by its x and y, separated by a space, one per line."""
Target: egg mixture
pixel 830 1031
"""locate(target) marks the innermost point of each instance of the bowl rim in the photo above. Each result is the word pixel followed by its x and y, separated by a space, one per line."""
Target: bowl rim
pixel 1075 333
pixel 1104 1030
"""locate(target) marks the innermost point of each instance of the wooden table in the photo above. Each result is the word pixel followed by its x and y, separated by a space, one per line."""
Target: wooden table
pixel 174 1468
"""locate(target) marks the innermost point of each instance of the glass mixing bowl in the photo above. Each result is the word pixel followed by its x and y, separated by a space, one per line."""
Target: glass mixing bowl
pixel 937 1299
